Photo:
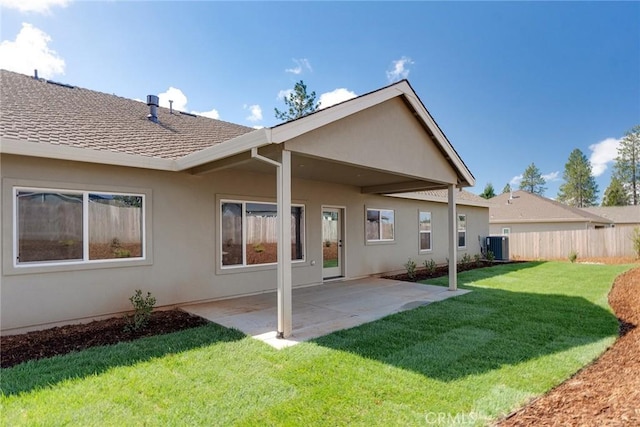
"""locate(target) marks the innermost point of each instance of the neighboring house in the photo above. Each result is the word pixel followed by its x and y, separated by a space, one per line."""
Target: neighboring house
pixel 103 195
pixel 621 216
pixel 521 211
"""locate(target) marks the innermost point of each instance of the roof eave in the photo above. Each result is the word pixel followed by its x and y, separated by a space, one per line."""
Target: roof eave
pixel 62 152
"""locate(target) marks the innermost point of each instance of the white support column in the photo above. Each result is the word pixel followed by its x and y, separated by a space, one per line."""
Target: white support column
pixel 283 272
pixel 284 246
pixel 453 239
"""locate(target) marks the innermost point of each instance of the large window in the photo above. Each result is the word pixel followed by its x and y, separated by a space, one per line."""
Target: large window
pixel 380 225
pixel 250 233
pixel 77 226
pixel 425 231
pixel 462 231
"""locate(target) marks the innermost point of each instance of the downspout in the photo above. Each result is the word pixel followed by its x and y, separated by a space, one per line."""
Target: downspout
pixel 283 196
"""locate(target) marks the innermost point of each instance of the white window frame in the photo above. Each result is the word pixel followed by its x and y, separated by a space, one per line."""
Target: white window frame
pixel 421 232
pixel 462 230
pixel 506 231
pixel 380 239
pixel 85 228
pixel 244 264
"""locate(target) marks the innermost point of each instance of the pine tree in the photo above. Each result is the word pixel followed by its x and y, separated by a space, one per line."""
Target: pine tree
pixel 579 189
pixel 627 166
pixel 507 188
pixel 488 192
pixel 532 180
pixel 615 194
pixel 300 103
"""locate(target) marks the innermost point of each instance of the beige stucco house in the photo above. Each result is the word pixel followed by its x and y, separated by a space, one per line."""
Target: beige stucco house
pixel 103 195
pixel 521 212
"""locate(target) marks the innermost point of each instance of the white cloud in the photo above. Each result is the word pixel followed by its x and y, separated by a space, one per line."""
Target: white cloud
pixel 256 113
pixel 257 127
pixel 30 51
pixel 180 103
pixel 336 96
pixel 212 114
pixel 284 94
pixel 603 153
pixel 38 6
pixel 301 65
pixel 177 96
pixel 515 180
pixel 399 69
pixel 552 176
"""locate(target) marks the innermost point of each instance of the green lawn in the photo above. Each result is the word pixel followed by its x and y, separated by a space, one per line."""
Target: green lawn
pixel 467 360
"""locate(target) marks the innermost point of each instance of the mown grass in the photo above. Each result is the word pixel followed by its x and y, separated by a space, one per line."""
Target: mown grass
pixel 469 359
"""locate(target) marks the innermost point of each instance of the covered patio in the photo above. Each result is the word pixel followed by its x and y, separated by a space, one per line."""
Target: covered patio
pixel 320 310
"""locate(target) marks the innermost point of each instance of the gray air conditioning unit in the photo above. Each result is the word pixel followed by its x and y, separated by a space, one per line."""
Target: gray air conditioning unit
pixel 499 245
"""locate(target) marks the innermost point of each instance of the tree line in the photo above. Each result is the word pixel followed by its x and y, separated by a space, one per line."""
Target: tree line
pixel 579 188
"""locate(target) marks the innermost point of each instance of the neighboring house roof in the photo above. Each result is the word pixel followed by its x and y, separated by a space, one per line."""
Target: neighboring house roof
pixel 524 207
pixel 617 214
pixel 46 119
pixel 463 197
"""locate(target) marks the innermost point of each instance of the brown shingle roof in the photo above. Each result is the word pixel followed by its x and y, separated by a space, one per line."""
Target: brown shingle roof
pixel 528 207
pixel 45 112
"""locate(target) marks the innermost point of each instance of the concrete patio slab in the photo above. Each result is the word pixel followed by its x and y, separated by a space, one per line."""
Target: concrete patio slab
pixel 322 309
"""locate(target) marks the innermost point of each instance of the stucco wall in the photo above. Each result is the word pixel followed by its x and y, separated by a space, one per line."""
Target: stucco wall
pixel 184 252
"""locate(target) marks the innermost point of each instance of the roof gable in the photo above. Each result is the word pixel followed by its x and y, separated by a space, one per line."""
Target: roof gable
pixel 617 214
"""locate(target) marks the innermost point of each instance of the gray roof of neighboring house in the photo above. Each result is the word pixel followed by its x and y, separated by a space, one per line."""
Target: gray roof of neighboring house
pixel 38 110
pixel 617 214
pixel 521 206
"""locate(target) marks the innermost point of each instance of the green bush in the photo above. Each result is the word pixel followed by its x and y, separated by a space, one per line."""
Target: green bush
pixel 490 256
pixel 430 266
pixel 410 266
pixel 142 306
pixel 573 256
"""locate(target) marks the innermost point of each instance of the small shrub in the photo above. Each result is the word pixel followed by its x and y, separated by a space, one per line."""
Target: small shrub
pixel 490 256
pixel 430 266
pixel 573 256
pixel 410 266
pixel 143 306
pixel 258 248
pixel 465 260
pixel 115 243
pixel 327 243
pixel 478 260
pixel 635 238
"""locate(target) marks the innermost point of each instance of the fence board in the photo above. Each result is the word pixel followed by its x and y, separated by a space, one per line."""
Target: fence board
pixel 591 243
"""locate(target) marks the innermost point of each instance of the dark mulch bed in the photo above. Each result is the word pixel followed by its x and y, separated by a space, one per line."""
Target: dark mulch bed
pixel 15 349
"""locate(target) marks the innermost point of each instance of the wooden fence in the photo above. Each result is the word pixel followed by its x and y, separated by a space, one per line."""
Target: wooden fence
pixel 592 243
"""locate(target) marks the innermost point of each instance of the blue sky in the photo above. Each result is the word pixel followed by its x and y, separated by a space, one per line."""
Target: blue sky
pixel 510 83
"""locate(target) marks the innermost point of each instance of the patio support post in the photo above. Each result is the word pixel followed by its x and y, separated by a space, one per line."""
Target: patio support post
pixel 453 239
pixel 284 246
pixel 283 195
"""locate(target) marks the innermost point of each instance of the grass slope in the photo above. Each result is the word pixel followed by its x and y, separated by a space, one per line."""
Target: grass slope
pixel 467 360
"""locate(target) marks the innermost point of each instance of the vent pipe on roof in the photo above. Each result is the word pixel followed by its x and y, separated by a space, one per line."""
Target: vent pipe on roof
pixel 153 102
pixel 170 107
pixel 35 74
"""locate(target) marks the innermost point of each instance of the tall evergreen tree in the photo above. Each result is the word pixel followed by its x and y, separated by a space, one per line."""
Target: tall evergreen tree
pixel 627 166
pixel 488 192
pixel 579 188
pixel 507 188
pixel 615 194
pixel 532 180
pixel 300 103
